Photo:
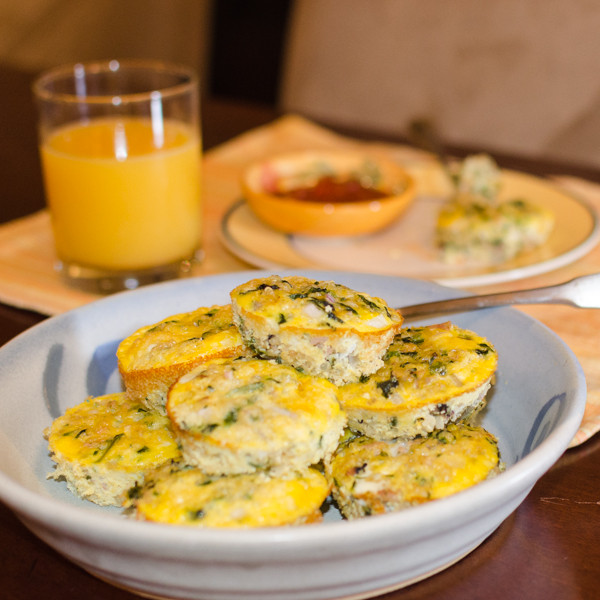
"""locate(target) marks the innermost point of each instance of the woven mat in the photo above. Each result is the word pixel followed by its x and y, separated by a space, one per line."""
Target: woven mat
pixel 28 278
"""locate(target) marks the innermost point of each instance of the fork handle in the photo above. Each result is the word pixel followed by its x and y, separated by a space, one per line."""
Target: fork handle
pixel 553 294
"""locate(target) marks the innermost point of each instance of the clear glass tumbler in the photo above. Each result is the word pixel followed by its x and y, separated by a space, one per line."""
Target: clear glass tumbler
pixel 120 147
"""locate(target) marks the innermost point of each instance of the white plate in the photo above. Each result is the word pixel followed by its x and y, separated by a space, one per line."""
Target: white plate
pixel 535 409
pixel 407 248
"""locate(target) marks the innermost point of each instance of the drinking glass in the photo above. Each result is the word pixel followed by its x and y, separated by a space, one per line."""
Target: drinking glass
pixel 120 148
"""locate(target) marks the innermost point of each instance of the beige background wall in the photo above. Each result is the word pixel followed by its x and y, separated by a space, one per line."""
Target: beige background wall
pixel 511 75
pixel 35 34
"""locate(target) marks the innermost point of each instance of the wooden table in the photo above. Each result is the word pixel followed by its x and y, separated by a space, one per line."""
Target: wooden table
pixel 548 548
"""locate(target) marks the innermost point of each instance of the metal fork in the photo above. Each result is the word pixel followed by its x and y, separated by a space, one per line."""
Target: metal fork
pixel 581 292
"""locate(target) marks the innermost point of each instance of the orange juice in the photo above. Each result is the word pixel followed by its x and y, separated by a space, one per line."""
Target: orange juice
pixel 122 196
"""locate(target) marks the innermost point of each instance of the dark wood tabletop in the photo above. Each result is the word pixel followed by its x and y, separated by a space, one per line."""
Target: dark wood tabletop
pixel 548 548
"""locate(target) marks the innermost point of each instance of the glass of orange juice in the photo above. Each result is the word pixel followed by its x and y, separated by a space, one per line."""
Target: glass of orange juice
pixel 120 147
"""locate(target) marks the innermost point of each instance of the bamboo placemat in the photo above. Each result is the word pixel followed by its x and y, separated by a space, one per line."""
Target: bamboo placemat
pixel 28 278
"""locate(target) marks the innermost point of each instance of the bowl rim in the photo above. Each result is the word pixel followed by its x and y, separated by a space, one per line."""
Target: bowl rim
pixel 64 517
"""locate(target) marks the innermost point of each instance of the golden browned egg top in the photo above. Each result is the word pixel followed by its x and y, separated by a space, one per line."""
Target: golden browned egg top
pixel 425 365
pixel 300 302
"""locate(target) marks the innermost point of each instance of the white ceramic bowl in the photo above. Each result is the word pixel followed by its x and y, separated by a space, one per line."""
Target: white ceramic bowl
pixel 534 409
